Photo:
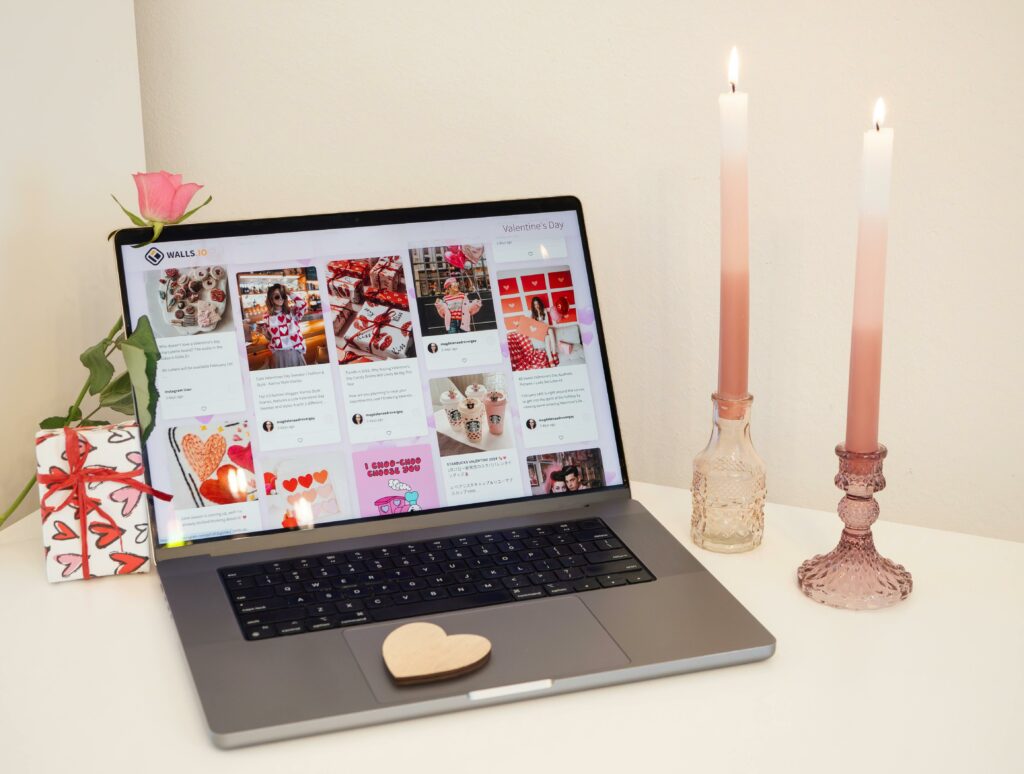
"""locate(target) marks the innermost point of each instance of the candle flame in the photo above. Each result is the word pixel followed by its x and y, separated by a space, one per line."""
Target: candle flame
pixel 879 118
pixel 734 68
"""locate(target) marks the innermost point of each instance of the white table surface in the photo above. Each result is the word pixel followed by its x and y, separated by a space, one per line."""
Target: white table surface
pixel 91 673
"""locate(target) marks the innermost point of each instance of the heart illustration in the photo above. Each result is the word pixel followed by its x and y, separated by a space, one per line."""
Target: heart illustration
pixel 309 496
pixel 128 563
pixel 306 480
pixel 203 456
pixel 63 531
pixel 326 492
pixel 422 652
pixel 105 533
pixel 120 435
pixel 128 495
pixel 230 486
pixel 242 456
pixel 141 533
pixel 205 419
pixel 290 484
pixel 587 337
pixel 586 316
pixel 320 476
pixel 72 563
pixel 135 458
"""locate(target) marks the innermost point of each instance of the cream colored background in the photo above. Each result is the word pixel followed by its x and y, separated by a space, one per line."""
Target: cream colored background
pixel 284 108
pixel 70 136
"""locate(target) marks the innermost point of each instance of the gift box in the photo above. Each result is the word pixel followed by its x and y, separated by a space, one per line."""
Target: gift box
pixel 342 311
pixel 387 298
pixel 380 330
pixel 95 519
pixel 350 288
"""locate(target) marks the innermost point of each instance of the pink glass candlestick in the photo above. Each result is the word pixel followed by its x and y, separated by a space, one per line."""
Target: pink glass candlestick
pixel 854 576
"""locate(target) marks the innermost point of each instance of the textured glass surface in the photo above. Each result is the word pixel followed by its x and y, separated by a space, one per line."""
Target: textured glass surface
pixel 728 483
pixel 854 576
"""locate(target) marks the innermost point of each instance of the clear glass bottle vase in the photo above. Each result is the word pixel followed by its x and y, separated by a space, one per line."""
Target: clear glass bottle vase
pixel 728 482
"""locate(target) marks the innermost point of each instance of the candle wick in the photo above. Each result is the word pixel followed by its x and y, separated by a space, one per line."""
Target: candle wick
pixel 733 86
pixel 878 127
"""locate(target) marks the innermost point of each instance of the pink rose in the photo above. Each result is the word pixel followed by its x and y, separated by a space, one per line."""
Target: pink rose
pixel 162 196
pixel 163 200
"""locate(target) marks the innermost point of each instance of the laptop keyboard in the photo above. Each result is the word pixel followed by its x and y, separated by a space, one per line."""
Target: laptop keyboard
pixel 348 588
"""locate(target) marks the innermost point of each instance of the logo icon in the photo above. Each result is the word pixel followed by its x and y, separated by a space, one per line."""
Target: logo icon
pixel 154 256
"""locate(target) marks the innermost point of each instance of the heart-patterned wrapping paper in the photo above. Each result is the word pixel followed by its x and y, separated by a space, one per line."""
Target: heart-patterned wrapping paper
pixel 120 548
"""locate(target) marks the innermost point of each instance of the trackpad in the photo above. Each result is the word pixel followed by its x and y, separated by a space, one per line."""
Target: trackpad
pixel 529 641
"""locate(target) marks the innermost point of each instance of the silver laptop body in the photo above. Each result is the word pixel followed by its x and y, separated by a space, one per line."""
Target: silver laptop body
pixel 258 691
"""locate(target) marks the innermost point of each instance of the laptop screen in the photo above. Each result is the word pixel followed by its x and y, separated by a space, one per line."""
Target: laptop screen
pixel 331 369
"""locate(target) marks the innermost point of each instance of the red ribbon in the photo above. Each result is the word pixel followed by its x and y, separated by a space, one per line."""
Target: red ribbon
pixel 378 337
pixel 75 479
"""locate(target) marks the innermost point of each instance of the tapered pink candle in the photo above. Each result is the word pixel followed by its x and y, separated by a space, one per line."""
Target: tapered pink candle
pixel 734 320
pixel 869 288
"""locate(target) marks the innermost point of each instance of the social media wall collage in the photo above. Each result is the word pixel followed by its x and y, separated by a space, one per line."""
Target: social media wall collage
pixel 302 385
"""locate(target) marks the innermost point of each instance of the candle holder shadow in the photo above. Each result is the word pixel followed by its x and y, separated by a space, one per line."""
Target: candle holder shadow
pixel 854 576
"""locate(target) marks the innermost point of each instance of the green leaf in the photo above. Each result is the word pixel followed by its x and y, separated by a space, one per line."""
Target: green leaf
pixel 143 338
pixel 194 209
pixel 142 372
pixel 74 413
pixel 53 423
pixel 134 218
pixel 100 369
pixel 94 422
pixel 117 393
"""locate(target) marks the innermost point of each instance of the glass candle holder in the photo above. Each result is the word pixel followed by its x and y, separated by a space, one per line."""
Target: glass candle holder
pixel 728 482
pixel 854 576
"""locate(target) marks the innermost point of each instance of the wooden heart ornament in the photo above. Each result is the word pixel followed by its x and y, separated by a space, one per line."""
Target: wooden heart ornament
pixel 423 652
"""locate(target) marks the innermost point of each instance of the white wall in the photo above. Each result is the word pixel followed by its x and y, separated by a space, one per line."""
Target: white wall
pixel 71 135
pixel 283 108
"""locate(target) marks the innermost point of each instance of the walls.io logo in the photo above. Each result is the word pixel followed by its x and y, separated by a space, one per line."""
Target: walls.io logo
pixel 154 256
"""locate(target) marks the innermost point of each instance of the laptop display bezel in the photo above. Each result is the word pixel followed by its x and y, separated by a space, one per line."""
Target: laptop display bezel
pixel 462 514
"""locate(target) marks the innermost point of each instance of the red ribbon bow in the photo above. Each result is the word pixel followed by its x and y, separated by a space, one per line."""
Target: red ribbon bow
pixel 75 479
pixel 379 338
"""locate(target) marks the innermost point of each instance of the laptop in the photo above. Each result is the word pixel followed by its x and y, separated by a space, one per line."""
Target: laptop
pixel 369 419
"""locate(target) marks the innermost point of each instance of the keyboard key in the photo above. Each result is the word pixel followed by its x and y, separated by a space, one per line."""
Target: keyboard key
pixel 350 605
pixel 386 552
pixel 439 593
pixel 608 544
pixel 573 561
pixel 411 548
pixel 630 565
pixel 554 589
pixel 516 582
pixel 320 623
pixel 493 585
pixel 406 597
pixel 351 619
pixel 489 537
pixel 461 589
pixel 249 594
pixel 316 610
pixel 259 605
pixel 357 556
pixel 569 574
pixel 268 617
pixel 488 573
pixel 248 571
pixel 529 592
pixel 538 531
pixel 277 567
pixel 332 595
pixel 515 534
pixel 639 577
pixel 268 580
pixel 535 543
pixel 240 583
pixel 441 605
pixel 260 632
pixel 609 556
pixel 587 584
pixel 412 584
pixel 376 602
pixel 484 550
pixel 325 572
pixel 291 627
pixel 593 534
pixel 613 580
pixel 304 564
pixel 589 524
pixel 510 546
pixel 438 545
pixel 540 578
pixel 465 540
pixel 546 565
